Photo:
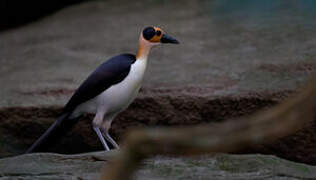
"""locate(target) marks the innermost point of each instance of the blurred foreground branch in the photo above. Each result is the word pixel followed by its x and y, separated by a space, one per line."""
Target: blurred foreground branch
pixel 279 121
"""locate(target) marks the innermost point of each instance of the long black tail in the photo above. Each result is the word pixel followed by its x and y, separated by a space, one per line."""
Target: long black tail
pixel 58 128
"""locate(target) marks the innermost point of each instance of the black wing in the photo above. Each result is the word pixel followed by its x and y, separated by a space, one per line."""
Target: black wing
pixel 107 74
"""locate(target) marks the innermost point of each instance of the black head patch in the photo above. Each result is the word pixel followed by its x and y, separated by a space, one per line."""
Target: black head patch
pixel 148 33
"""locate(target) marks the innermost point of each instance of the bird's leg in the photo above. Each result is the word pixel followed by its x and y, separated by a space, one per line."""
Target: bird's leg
pixel 97 130
pixel 109 138
pixel 96 123
pixel 105 131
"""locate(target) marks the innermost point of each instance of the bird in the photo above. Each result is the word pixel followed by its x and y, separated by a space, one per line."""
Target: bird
pixel 107 91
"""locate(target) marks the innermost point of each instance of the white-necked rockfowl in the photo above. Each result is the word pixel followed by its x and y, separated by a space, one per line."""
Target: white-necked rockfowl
pixel 109 90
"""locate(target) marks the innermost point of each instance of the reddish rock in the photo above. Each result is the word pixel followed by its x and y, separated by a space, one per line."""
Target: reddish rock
pixel 21 126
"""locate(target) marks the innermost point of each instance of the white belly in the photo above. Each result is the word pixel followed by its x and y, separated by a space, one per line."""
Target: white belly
pixel 117 98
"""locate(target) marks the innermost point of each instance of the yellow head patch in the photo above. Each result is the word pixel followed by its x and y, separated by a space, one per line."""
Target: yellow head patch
pixel 158 34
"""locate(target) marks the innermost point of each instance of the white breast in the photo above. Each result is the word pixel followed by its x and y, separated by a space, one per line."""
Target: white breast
pixel 117 98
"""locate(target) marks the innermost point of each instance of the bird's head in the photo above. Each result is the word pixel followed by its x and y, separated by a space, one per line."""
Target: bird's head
pixel 156 35
pixel 152 36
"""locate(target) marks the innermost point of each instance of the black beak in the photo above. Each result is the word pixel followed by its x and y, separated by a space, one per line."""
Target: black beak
pixel 168 39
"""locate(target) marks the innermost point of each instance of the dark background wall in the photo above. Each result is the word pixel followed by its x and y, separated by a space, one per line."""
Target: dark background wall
pixel 17 12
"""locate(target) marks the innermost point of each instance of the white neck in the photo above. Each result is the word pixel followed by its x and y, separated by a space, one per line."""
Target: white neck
pixel 144 48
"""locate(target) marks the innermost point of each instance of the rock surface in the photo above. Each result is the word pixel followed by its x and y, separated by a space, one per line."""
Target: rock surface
pixel 89 166
pixel 20 127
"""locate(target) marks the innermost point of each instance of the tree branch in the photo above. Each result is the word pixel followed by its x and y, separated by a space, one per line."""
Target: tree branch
pixel 267 125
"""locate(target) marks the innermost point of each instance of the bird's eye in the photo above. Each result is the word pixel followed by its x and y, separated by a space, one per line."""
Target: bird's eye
pixel 158 33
